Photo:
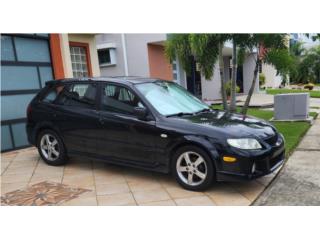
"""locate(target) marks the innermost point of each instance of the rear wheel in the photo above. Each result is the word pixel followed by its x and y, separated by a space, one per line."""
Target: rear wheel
pixel 51 148
pixel 193 168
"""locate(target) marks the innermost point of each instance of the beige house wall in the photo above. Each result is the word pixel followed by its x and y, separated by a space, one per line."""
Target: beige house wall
pixel 65 52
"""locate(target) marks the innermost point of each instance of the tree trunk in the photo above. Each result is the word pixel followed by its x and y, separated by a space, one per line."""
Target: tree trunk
pixel 234 78
pixel 223 88
pixel 255 75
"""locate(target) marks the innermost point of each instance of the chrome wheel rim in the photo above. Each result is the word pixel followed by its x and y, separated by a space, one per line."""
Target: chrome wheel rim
pixel 49 147
pixel 191 168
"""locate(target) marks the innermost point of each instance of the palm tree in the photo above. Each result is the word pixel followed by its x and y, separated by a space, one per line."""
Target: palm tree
pixel 206 49
pixel 272 49
pixel 297 51
pixel 309 67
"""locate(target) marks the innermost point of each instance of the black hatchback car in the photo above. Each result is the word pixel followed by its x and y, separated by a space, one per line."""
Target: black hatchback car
pixel 151 124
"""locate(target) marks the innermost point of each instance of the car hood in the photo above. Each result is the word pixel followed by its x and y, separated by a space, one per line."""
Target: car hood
pixel 235 125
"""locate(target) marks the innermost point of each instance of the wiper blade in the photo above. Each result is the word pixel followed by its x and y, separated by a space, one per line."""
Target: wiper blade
pixel 179 114
pixel 204 110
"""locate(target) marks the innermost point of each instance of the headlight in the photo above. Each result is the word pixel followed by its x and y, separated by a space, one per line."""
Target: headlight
pixel 244 143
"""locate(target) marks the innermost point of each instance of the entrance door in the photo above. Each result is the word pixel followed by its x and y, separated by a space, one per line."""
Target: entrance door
pixel 194 80
pixel 240 77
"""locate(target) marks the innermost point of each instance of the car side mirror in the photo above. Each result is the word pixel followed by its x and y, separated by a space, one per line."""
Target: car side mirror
pixel 140 112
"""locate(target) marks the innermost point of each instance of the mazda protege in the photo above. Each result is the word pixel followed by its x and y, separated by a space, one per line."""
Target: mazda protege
pixel 150 124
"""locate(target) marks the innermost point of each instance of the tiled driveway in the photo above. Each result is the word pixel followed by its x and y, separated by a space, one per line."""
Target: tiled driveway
pixel 112 185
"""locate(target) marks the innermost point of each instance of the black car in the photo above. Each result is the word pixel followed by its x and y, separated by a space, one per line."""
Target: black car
pixel 151 124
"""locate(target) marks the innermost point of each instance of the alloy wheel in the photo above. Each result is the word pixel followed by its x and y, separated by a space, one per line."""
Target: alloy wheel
pixel 191 168
pixel 49 147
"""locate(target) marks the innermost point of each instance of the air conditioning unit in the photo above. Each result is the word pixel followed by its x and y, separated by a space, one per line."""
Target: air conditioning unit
pixel 291 106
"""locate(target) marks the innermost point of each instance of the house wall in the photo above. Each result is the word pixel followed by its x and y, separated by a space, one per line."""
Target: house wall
pixel 272 80
pixel 248 68
pixel 65 52
pixel 159 66
pixel 211 88
pixel 137 53
pixel 118 69
pixel 182 76
pixel 89 39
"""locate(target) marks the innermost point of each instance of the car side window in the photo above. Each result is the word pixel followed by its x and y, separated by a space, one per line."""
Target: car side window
pixel 78 95
pixel 52 94
pixel 119 99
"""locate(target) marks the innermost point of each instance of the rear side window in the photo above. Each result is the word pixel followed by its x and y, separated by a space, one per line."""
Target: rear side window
pixel 52 94
pixel 78 95
pixel 119 99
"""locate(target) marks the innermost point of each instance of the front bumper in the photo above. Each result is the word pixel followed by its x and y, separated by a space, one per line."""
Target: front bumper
pixel 251 164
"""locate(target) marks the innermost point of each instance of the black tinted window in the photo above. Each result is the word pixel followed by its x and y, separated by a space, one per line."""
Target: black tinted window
pixel 79 95
pixel 52 94
pixel 119 99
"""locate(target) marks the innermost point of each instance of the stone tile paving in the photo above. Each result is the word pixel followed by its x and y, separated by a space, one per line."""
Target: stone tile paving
pixel 111 185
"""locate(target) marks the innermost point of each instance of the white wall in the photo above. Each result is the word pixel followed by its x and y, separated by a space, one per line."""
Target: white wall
pixel 248 69
pixel 211 88
pixel 137 53
pixel 272 80
pixel 118 68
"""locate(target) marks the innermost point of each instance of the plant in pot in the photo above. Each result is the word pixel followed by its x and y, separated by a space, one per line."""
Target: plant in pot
pixel 262 80
pixel 228 89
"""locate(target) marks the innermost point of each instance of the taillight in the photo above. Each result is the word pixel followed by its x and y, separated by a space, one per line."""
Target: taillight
pixel 29 109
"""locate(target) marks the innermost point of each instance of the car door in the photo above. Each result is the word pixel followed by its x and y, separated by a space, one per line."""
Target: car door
pixel 123 137
pixel 77 117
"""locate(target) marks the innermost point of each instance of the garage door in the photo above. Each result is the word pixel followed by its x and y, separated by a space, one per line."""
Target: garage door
pixel 25 67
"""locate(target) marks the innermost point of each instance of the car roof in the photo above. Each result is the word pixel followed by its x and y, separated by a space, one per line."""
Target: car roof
pixel 115 79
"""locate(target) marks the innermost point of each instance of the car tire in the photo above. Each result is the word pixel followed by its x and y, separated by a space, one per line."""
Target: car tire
pixel 51 148
pixel 193 168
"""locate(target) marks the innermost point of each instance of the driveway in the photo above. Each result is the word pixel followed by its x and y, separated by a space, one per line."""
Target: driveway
pixel 299 181
pixel 27 180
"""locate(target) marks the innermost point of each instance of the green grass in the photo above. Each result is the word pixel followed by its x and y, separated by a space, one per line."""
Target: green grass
pixel 314 94
pixel 292 131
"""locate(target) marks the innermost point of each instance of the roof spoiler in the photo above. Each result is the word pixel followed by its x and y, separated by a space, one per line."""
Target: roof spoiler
pixel 52 82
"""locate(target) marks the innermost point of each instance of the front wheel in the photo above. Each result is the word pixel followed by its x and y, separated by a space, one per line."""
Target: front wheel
pixel 193 168
pixel 51 148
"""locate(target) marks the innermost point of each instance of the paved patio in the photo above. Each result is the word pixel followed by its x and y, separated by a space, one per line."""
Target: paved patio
pixel 96 183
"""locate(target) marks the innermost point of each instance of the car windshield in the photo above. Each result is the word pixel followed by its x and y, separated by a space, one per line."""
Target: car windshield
pixel 169 98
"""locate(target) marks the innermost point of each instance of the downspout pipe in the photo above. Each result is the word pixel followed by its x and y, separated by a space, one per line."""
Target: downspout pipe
pixel 124 50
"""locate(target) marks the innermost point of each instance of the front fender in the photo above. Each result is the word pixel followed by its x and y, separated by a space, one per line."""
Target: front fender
pixel 198 141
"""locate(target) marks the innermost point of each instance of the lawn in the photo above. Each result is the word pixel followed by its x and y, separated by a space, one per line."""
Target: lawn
pixel 314 94
pixel 292 131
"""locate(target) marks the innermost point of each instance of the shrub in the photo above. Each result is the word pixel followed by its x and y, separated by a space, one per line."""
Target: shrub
pixel 262 79
pixel 309 86
pixel 228 88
